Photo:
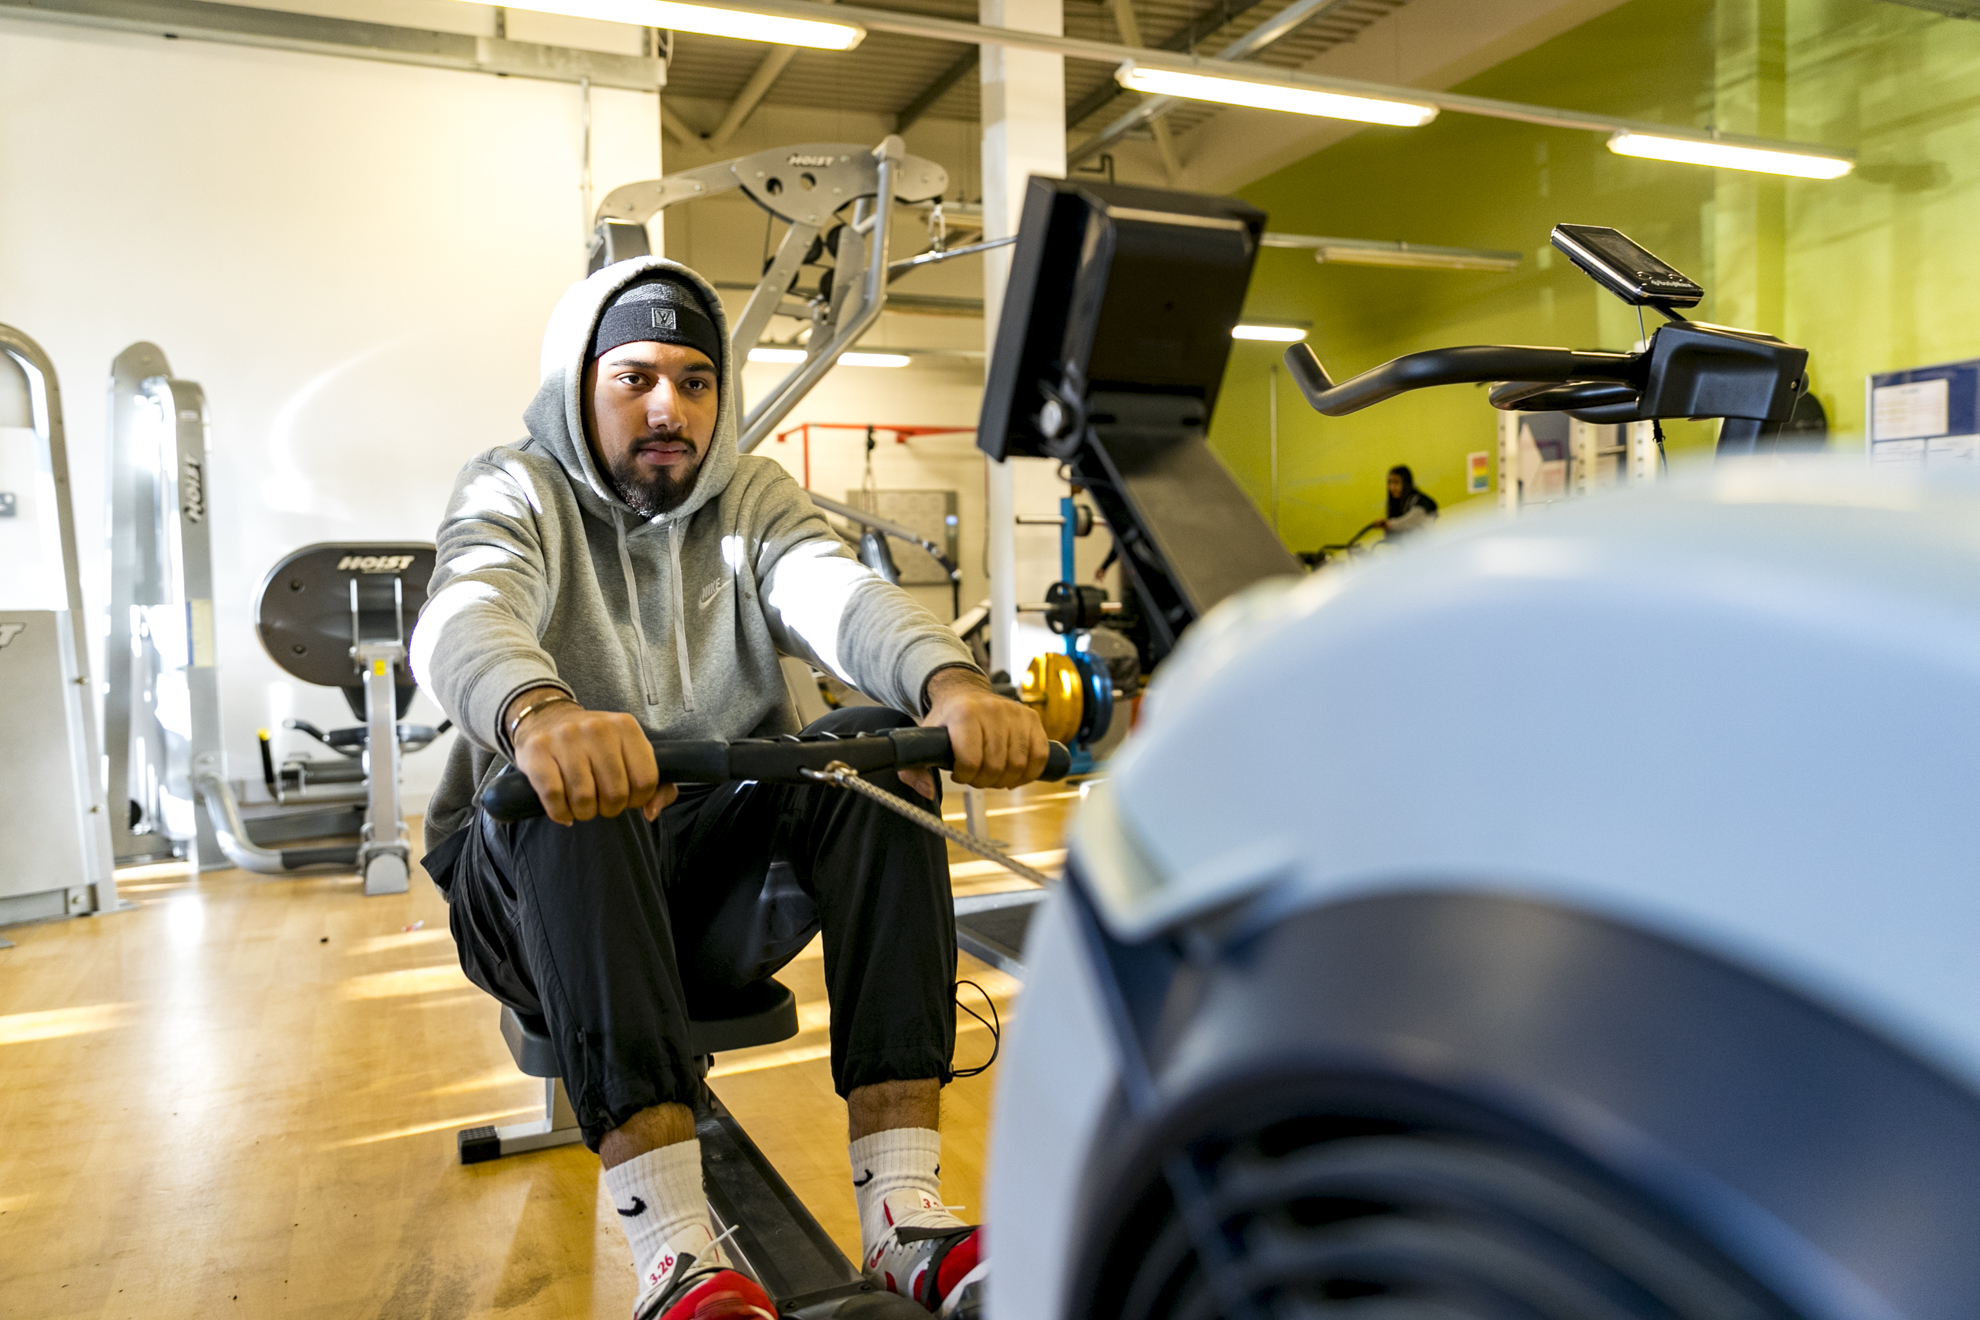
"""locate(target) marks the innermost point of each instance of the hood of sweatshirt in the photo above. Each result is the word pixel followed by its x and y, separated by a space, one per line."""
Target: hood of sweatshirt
pixel 555 417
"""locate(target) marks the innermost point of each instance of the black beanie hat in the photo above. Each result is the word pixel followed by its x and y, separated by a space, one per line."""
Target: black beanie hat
pixel 660 310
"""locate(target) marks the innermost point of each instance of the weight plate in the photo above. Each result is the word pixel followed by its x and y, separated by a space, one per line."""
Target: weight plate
pixel 1054 687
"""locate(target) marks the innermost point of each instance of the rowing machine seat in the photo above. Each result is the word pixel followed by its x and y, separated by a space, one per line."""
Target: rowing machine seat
pixel 761 1013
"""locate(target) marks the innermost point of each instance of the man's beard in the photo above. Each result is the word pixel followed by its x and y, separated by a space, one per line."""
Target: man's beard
pixel 658 490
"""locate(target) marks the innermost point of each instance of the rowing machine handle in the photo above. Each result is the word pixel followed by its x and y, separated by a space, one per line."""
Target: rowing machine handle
pixel 510 797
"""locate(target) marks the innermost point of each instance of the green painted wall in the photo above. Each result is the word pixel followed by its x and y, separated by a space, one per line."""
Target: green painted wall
pixel 1876 271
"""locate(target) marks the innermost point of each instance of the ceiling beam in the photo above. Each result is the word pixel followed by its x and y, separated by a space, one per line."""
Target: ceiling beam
pixel 1184 38
pixel 1165 146
pixel 242 25
pixel 676 127
pixel 768 70
pixel 1151 109
pixel 925 99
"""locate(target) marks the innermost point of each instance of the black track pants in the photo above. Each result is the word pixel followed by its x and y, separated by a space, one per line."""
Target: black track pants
pixel 613 931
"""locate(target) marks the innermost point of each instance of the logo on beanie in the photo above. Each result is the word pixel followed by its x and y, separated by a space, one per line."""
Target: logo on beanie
pixel 663 318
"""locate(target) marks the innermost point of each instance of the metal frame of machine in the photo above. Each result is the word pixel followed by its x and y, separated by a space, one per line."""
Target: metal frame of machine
pixel 805 186
pixel 356 643
pixel 59 852
pixel 161 702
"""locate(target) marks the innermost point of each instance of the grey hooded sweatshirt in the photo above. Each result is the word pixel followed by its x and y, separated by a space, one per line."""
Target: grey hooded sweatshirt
pixel 545 578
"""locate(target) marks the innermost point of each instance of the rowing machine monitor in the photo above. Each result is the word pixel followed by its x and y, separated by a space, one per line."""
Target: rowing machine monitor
pixel 1110 350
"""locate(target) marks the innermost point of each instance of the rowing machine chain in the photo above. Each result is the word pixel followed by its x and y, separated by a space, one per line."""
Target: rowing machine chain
pixel 841 775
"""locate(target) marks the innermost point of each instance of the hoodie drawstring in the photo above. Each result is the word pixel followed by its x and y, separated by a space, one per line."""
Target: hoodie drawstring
pixel 632 610
pixel 680 613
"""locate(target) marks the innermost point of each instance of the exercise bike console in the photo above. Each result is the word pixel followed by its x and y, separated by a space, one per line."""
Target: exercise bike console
pixel 1626 269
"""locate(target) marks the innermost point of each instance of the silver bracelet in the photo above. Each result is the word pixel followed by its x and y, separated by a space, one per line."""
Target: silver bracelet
pixel 531 709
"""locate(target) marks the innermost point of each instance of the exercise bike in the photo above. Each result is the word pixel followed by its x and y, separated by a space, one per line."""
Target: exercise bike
pixel 1352 548
pixel 776 1239
pixel 1695 1040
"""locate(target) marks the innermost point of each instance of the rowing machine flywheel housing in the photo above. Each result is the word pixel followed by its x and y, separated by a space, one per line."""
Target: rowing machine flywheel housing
pixel 1568 917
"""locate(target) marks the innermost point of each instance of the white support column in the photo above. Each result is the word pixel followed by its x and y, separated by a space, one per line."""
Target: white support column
pixel 1024 133
pixel 1642 441
pixel 1509 462
pixel 656 225
pixel 1584 440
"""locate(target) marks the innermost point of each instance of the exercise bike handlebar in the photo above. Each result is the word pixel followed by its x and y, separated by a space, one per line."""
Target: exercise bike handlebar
pixel 1455 366
pixel 510 796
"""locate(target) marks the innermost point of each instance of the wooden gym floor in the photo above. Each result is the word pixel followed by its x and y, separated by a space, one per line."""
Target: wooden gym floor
pixel 241 1099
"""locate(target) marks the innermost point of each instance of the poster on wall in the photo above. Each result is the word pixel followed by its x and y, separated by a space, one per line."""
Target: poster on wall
pixel 1925 416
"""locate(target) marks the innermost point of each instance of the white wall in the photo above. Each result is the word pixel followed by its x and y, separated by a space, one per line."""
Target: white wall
pixel 355 260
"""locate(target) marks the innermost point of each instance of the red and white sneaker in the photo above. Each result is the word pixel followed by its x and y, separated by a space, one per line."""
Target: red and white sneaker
pixel 941 1265
pixel 680 1290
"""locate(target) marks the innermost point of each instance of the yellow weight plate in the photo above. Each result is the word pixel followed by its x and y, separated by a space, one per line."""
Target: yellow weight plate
pixel 1052 688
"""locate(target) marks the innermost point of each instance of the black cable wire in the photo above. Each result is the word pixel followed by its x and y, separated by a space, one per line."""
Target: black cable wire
pixel 1066 474
pixel 1657 429
pixel 994 1024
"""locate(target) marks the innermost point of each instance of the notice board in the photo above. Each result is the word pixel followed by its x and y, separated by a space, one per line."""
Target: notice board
pixel 1925 416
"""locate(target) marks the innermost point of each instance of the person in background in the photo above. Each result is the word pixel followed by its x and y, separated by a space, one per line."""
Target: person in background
pixel 1409 508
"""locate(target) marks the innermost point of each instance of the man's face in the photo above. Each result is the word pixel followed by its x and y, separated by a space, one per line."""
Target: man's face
pixel 650 409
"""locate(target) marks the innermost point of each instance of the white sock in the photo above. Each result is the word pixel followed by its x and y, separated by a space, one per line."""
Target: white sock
pixel 663 1209
pixel 897 1178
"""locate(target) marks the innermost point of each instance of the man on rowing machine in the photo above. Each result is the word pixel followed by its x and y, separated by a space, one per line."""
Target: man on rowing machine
pixel 625 573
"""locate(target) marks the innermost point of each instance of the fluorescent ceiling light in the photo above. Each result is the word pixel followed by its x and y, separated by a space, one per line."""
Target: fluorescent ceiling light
pixel 1274 334
pixel 1727 156
pixel 1238 89
pixel 1414 257
pixel 1375 252
pixel 708 20
pixel 795 355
